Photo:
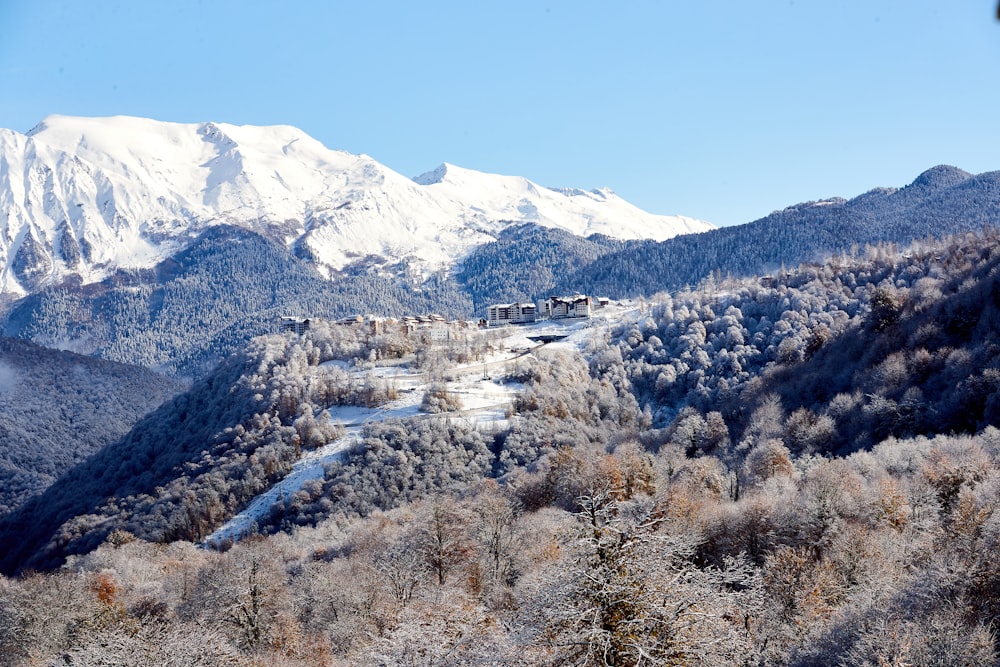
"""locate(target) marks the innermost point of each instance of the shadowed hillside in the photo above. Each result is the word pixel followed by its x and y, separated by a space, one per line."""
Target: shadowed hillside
pixel 57 408
pixel 209 300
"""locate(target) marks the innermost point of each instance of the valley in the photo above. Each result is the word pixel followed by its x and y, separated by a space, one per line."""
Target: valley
pixel 229 439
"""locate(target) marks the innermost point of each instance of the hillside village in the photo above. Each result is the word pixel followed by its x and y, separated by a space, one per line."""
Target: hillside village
pixel 434 327
pixel 779 471
pixel 694 363
pixel 472 385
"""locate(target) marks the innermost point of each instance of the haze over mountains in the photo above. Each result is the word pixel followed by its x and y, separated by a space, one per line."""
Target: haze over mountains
pixel 81 197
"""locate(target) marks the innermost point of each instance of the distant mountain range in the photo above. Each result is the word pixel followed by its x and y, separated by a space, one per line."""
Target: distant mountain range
pixel 941 201
pixel 169 245
pixel 83 197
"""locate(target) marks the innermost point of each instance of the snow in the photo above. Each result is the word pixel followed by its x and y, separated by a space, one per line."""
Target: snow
pixel 136 190
pixel 484 402
pixel 577 211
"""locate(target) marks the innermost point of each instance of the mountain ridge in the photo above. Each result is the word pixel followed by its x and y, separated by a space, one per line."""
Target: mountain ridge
pixel 82 197
pixel 941 201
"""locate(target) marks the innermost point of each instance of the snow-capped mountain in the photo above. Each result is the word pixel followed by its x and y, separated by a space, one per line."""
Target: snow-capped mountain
pixel 84 196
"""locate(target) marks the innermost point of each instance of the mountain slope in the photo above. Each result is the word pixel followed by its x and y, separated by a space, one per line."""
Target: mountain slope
pixel 207 301
pixel 83 196
pixel 526 262
pixel 941 201
pixel 579 212
pixel 152 453
pixel 58 408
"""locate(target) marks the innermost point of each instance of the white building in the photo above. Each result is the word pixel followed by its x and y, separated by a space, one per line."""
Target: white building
pixel 296 325
pixel 438 333
pixel 559 307
pixel 511 313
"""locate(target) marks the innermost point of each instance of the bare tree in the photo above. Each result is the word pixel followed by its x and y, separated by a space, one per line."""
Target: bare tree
pixel 631 595
pixel 443 539
pixel 245 594
pixel 497 532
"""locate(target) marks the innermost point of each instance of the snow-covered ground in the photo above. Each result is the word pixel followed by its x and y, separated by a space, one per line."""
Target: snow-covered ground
pixel 484 402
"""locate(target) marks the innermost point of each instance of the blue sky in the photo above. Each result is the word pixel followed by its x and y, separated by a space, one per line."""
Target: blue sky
pixel 721 110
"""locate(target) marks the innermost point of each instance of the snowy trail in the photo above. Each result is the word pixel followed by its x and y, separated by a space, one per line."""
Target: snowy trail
pixel 484 404
pixel 307 468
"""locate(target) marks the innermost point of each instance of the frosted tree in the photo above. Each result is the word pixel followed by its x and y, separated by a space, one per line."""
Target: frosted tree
pixel 631 594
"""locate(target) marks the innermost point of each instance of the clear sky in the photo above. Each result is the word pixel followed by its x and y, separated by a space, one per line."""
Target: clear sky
pixel 723 110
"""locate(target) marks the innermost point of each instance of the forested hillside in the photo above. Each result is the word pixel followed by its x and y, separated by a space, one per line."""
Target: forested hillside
pixel 526 263
pixel 231 284
pixel 828 360
pixel 58 408
pixel 843 354
pixel 208 301
pixel 793 469
pixel 941 201
pixel 187 466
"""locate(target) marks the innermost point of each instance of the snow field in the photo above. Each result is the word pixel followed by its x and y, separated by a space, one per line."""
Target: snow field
pixel 485 402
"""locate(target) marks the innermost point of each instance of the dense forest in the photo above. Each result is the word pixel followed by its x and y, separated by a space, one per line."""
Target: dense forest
pixel 57 408
pixel 200 456
pixel 526 263
pixel 941 201
pixel 196 308
pixel 794 469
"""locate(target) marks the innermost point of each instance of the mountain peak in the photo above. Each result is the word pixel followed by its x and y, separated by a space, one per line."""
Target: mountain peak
pixel 127 192
pixel 941 176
